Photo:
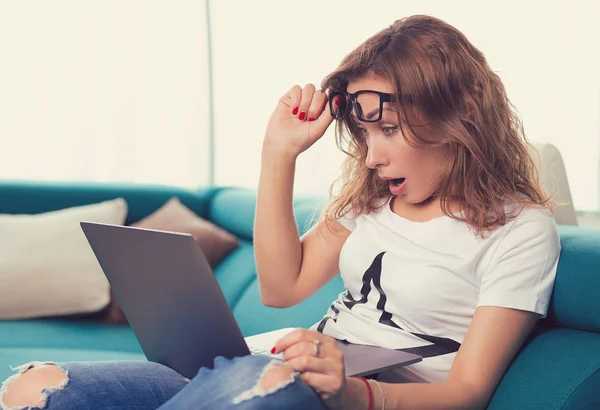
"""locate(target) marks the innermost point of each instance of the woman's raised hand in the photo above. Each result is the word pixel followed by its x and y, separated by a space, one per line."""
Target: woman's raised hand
pixel 299 120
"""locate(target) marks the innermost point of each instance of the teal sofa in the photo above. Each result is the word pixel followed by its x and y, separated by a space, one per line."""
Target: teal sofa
pixel 558 368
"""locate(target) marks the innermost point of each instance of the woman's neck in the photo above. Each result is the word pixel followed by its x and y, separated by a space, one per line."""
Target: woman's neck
pixel 421 212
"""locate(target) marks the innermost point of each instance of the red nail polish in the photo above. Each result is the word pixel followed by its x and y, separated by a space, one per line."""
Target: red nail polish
pixel 302 116
pixel 273 350
pixel 311 119
pixel 337 100
pixel 295 111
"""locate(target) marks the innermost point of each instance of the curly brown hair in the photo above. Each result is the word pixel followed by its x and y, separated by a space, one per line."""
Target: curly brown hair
pixel 438 73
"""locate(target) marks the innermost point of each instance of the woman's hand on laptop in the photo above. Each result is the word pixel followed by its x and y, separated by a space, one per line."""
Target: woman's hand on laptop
pixel 319 362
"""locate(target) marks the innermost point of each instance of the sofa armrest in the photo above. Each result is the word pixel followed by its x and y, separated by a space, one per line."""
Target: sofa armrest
pixel 558 369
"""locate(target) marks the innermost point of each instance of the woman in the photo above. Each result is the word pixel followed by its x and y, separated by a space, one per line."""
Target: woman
pixel 440 231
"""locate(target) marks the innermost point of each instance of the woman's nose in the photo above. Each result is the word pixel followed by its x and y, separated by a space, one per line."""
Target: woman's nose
pixel 376 156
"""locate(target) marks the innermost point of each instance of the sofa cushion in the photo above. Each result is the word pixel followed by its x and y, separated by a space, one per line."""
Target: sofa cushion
pixel 23 341
pixel 47 267
pixel 13 357
pixel 575 303
pixel 553 178
pixel 67 334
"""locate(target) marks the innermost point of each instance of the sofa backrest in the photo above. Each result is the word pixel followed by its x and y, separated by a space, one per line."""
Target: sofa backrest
pixel 233 209
pixel 33 197
pixel 575 303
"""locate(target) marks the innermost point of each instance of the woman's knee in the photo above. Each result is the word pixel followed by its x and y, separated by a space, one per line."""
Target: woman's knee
pixel 27 388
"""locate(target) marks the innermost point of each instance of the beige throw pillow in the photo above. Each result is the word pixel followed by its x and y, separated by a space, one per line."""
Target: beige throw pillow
pixel 174 216
pixel 216 243
pixel 47 267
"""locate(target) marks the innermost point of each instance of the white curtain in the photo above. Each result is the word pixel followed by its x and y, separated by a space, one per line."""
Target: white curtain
pixel 104 90
pixel 117 90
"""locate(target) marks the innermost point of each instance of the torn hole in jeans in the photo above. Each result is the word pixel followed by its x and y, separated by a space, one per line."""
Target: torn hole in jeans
pixel 259 390
pixel 45 391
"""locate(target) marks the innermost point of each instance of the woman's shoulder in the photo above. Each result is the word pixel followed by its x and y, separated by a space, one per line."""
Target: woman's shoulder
pixel 528 223
pixel 521 214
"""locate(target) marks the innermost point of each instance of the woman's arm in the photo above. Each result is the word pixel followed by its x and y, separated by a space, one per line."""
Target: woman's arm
pixel 289 268
pixel 494 337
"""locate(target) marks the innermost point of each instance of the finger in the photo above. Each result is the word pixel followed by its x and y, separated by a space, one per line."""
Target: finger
pixel 320 125
pixel 317 105
pixel 295 95
pixel 307 348
pixel 303 348
pixel 307 95
pixel 298 335
pixel 286 99
pixel 314 364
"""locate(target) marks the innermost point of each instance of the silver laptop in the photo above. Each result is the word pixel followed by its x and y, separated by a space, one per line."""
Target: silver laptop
pixel 177 310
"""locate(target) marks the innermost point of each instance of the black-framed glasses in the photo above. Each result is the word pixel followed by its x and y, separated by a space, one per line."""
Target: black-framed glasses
pixel 366 104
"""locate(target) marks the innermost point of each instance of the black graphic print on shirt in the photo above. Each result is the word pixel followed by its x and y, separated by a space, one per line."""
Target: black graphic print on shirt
pixel 373 275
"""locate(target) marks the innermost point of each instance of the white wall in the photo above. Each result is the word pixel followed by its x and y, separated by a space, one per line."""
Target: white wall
pixel 545 52
pixel 116 90
pixel 103 90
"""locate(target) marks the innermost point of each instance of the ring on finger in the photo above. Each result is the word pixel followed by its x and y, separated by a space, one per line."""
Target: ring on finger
pixel 317 344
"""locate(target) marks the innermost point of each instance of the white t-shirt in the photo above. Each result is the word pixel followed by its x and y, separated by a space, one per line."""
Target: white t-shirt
pixel 433 275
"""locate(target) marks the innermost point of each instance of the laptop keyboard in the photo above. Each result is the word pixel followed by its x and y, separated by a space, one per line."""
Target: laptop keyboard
pixel 262 343
pixel 259 350
pixel 265 352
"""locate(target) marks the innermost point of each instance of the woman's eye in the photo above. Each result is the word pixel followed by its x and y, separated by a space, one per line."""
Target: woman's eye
pixel 389 130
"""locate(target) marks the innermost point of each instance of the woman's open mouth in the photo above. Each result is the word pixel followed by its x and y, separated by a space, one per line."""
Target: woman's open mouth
pixel 397 186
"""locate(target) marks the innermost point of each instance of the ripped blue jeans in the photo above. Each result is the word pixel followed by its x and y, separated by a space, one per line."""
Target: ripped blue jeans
pixel 231 384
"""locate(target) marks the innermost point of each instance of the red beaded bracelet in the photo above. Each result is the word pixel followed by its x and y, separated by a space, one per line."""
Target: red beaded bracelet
pixel 370 391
